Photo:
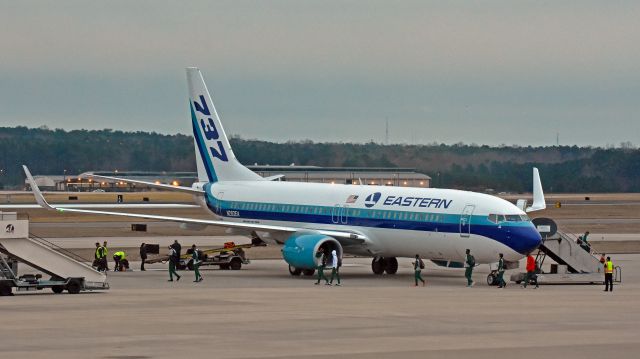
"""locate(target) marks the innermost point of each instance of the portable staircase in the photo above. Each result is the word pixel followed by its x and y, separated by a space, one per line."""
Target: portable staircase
pixel 67 270
pixel 573 264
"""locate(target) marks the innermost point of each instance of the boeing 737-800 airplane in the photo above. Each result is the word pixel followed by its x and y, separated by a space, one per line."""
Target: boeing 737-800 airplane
pixel 377 221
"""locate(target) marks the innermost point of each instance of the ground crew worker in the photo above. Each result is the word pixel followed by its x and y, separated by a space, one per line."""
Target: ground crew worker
pixel 608 275
pixel 335 270
pixel 96 257
pixel 100 258
pixel 531 271
pixel 501 282
pixel 143 256
pixel 418 266
pixel 177 247
pixel 321 262
pixel 105 253
pixel 196 263
pixel 118 258
pixel 173 260
pixel 469 263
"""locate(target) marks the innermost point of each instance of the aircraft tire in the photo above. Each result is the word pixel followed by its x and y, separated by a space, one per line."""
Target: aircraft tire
pixel 491 280
pixel 308 272
pixel 294 271
pixel 391 265
pixel 378 265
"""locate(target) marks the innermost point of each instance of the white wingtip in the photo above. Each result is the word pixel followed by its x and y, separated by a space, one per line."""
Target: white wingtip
pixel 36 191
pixel 539 202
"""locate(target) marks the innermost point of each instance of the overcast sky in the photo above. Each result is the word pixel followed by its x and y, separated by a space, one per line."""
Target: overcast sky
pixel 486 72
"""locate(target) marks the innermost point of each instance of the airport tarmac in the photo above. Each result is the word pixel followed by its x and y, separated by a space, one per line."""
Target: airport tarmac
pixel 263 312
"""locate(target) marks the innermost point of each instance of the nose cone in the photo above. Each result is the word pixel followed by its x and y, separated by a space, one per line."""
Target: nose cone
pixel 528 239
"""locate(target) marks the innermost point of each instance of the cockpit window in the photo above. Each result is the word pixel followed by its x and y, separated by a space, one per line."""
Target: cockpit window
pixel 497 218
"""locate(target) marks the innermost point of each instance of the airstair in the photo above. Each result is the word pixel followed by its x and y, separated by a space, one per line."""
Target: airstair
pixel 573 263
pixel 564 249
pixel 67 270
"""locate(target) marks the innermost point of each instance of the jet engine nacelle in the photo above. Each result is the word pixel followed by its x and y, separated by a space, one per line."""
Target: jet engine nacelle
pixel 300 250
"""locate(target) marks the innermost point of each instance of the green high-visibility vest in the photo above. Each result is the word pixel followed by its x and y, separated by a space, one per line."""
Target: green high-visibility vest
pixel 120 254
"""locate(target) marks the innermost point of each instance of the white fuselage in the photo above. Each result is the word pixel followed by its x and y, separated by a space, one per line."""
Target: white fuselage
pixel 438 224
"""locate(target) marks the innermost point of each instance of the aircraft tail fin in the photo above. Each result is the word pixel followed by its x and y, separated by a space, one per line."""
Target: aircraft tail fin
pixel 214 157
pixel 538 195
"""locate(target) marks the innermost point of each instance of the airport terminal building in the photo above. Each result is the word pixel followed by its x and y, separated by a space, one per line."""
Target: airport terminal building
pixel 404 177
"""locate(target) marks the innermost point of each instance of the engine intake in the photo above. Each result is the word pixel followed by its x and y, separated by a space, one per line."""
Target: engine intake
pixel 300 250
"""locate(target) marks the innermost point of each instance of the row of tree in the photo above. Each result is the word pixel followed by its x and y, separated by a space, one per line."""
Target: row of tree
pixel 504 168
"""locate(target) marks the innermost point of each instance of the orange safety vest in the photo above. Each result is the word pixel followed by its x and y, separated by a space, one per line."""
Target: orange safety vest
pixel 608 267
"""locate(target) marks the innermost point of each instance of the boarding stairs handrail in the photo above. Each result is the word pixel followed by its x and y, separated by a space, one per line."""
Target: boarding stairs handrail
pixel 574 238
pixel 57 248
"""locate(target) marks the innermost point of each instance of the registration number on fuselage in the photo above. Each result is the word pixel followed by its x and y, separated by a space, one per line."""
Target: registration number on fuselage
pixel 233 213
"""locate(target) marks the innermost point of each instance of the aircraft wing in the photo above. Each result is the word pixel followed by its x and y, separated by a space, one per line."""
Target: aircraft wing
pixel 151 184
pixel 339 235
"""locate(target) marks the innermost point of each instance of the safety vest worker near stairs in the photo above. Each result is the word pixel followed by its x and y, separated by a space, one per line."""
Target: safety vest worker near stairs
pixel 608 275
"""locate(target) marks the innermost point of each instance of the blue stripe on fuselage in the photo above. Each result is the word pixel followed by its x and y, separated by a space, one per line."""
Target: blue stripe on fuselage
pixel 522 237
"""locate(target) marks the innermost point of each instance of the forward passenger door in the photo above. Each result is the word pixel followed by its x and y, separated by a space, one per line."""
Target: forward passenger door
pixel 465 220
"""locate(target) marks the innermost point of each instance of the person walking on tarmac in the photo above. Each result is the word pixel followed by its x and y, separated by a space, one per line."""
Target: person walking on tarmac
pixel 335 267
pixel 177 247
pixel 195 255
pixel 418 266
pixel 531 272
pixel 173 261
pixel 469 263
pixel 321 262
pixel 143 256
pixel 608 275
pixel 501 282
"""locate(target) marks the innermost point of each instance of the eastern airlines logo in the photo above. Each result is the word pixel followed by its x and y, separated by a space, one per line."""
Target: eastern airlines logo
pixel 210 131
pixel 423 202
pixel 372 199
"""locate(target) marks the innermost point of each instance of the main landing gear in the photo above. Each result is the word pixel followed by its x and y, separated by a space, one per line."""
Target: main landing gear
pixel 379 265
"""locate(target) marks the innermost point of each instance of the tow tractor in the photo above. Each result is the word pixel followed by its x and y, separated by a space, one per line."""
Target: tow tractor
pixel 231 256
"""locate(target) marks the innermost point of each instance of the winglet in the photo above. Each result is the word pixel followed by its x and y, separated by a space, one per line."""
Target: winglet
pixel 36 191
pixel 538 196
